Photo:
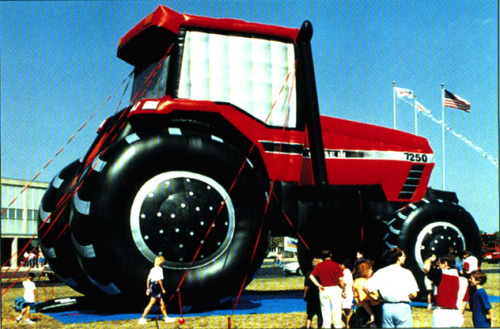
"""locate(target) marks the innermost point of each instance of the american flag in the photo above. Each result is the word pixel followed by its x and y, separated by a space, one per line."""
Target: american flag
pixel 452 100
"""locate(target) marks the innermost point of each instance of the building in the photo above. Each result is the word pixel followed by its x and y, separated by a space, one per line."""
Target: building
pixel 19 219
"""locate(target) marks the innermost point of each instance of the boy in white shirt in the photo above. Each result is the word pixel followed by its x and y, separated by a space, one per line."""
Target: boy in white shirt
pixel 154 286
pixel 30 296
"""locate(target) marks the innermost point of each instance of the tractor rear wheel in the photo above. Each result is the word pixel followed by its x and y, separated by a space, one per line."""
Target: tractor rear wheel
pixel 191 198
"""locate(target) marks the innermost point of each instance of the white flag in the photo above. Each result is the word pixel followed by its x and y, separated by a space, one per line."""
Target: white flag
pixel 421 108
pixel 401 92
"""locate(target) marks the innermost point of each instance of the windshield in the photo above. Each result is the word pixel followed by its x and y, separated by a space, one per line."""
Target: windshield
pixel 150 81
pixel 255 74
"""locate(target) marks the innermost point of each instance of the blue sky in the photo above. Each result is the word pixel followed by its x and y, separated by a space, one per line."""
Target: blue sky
pixel 58 65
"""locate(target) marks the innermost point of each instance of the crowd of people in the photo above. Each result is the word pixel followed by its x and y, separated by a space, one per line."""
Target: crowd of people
pixel 361 297
pixel 33 259
pixel 364 298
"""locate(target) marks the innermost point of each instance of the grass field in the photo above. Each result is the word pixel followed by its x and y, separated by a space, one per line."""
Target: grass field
pixel 421 316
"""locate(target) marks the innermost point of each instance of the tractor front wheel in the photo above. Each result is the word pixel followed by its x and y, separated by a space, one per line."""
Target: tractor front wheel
pixel 429 228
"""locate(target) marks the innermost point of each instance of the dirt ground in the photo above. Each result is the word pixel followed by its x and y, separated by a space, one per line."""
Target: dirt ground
pixel 46 290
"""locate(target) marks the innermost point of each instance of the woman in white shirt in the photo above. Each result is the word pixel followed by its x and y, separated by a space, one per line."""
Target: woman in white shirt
pixel 349 294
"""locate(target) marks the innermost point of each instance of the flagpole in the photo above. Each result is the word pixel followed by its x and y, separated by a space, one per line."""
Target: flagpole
pixel 443 184
pixel 415 110
pixel 394 104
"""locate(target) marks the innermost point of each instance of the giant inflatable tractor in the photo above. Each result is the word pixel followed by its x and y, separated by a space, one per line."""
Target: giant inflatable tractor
pixel 221 147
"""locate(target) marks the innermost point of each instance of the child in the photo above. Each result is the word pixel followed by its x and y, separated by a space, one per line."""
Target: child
pixel 364 316
pixel 154 288
pixel 348 297
pixel 482 315
pixel 29 298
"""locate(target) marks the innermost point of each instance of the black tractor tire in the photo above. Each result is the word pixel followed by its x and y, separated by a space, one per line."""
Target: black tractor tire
pixel 192 198
pixel 54 234
pixel 425 228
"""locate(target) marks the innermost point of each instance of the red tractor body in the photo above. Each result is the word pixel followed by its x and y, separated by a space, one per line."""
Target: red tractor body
pixel 222 145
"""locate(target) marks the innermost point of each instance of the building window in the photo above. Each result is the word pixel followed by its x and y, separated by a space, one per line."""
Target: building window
pixel 32 214
pixel 15 213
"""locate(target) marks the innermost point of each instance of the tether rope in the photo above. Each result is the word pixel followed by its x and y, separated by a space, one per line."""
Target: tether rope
pixel 63 147
pixel 271 194
pixel 268 200
pixel 48 163
pixel 63 201
pixel 91 157
pixel 63 198
pixel 112 134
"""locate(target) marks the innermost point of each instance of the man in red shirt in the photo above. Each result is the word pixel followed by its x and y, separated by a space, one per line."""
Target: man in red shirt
pixel 451 292
pixel 329 278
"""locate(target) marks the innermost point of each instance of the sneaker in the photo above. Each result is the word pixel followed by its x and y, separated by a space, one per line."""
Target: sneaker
pixel 142 321
pixel 169 320
pixel 28 321
pixel 429 306
pixel 19 318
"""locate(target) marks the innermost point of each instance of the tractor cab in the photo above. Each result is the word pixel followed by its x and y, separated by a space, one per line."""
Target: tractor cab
pixel 250 66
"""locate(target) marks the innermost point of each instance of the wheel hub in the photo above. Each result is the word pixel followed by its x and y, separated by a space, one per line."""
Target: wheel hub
pixel 436 239
pixel 186 217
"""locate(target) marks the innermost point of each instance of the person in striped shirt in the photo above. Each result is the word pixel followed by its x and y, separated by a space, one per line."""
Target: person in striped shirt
pixel 451 294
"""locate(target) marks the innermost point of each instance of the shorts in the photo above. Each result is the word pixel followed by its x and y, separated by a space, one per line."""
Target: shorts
pixel 155 289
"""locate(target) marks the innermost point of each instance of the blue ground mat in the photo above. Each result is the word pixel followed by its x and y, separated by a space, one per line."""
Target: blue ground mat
pixel 281 302
pixel 265 303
